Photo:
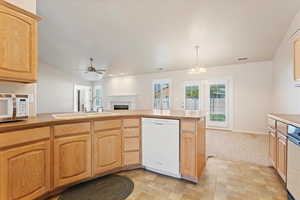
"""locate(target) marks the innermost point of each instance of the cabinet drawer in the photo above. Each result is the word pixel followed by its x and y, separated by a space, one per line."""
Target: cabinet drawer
pixel 72 129
pixel 282 127
pixel 107 124
pixel 131 132
pixel 188 125
pixel 132 158
pixel 131 122
pixel 23 136
pixel 132 144
pixel 272 123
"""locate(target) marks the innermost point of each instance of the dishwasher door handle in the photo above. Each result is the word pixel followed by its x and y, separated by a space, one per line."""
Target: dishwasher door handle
pixel 158 123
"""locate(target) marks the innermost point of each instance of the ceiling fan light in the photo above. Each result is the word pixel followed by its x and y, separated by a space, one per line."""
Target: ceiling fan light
pixel 92 76
pixel 197 69
pixel 202 70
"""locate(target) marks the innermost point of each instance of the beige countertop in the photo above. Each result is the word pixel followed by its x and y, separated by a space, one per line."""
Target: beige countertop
pixel 49 119
pixel 286 118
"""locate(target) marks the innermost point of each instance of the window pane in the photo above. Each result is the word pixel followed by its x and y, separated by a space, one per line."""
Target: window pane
pixel 217 103
pixel 157 95
pixel 98 99
pixel 192 97
pixel 165 96
pixel 161 96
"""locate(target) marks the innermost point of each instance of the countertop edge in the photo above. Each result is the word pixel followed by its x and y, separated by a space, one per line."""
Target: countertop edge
pixel 282 119
pixel 12 126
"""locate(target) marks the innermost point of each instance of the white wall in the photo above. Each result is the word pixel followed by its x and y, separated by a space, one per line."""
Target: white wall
pixel 29 5
pixel 252 84
pixel 286 96
pixel 55 89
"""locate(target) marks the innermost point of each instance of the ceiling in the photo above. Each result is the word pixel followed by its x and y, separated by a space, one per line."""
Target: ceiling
pixel 140 36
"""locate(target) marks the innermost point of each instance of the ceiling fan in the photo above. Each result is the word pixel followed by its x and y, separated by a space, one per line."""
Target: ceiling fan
pixel 92 73
pixel 92 69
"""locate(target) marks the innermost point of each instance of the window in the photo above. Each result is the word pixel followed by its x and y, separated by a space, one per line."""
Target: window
pixel 192 96
pixel 218 103
pixel 97 96
pixel 161 95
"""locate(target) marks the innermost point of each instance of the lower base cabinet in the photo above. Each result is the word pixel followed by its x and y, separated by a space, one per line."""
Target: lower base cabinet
pixel 282 156
pixel 65 154
pixel 273 147
pixel 188 154
pixel 278 146
pixel 107 151
pixel 72 159
pixel 193 153
pixel 25 171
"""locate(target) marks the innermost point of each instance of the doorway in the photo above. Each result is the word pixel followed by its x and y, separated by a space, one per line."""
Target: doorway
pixel 82 98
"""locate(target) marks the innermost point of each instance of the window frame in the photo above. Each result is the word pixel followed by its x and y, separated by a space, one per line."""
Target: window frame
pixel 193 83
pixel 161 82
pixel 227 124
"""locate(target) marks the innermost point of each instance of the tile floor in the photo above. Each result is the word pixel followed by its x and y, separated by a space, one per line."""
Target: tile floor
pixel 222 180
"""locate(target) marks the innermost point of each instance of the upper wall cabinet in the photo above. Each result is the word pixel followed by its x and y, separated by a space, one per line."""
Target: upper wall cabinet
pixel 18 44
pixel 297 60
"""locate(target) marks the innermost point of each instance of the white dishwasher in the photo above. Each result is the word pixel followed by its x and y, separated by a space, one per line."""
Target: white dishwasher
pixel 160 144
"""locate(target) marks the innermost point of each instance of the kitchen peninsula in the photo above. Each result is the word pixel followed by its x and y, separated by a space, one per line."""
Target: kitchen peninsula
pixel 55 151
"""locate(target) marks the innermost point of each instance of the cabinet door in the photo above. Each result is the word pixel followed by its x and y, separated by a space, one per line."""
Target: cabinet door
pixel 282 156
pixel 25 171
pixel 297 60
pixel 188 155
pixel 107 151
pixel 72 159
pixel 18 46
pixel 273 147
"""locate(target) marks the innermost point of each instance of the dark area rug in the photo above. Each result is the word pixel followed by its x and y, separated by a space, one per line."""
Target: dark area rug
pixel 112 187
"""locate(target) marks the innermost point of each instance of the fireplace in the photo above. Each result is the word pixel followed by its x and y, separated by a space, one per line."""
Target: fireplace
pixel 121 102
pixel 121 107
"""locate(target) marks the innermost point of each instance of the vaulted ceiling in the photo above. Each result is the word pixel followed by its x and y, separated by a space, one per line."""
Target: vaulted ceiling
pixel 138 36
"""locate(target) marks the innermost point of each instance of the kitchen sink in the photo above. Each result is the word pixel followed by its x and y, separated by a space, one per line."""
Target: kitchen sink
pixel 81 115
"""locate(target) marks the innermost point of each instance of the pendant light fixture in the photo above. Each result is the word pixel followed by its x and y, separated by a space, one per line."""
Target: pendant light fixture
pixel 197 69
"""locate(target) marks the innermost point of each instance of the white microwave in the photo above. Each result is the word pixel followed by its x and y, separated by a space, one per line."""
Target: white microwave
pixel 14 107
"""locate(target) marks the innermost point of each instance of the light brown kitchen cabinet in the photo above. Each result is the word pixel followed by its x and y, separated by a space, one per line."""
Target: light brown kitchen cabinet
pixel 188 154
pixel 131 142
pixel 297 60
pixel 72 159
pixel 25 171
pixel 278 146
pixel 36 163
pixel 18 44
pixel 273 147
pixel 192 150
pixel 282 155
pixel 107 151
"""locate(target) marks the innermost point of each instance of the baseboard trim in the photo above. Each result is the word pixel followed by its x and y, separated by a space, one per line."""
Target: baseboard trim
pixel 248 132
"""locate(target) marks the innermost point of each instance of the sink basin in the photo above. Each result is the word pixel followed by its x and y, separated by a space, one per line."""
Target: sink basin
pixel 81 115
